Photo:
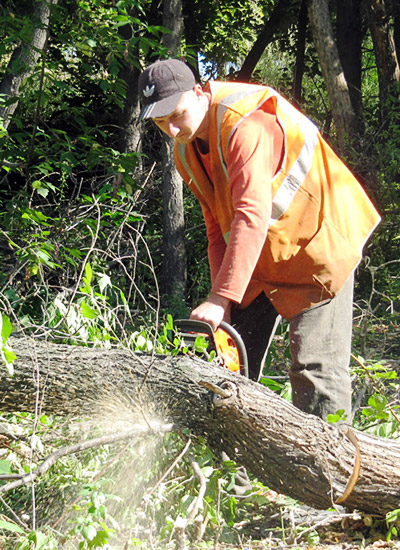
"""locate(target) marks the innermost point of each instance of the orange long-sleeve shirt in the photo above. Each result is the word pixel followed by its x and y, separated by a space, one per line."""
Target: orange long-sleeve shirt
pixel 254 152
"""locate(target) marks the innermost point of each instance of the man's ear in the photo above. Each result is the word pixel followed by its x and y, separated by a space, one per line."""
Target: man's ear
pixel 198 90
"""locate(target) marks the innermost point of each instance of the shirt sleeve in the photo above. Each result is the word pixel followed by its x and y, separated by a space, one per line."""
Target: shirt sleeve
pixel 253 158
pixel 216 242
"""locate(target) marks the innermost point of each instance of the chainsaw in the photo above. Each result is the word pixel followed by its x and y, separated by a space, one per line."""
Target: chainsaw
pixel 225 341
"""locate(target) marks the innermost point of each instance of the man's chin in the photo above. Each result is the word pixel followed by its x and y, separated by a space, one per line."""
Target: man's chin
pixel 185 139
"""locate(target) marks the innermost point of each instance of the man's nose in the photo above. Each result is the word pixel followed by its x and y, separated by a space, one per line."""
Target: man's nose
pixel 173 130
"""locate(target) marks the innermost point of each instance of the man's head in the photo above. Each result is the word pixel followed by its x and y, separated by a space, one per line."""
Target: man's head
pixel 173 100
pixel 161 86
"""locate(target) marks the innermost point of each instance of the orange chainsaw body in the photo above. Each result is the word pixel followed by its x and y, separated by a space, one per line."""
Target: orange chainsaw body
pixel 226 342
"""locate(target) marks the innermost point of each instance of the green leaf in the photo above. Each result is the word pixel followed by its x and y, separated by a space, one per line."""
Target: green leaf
pixel 201 344
pixel 102 511
pixel 75 252
pixel 45 420
pixel 207 471
pixel 391 375
pixel 89 532
pixel 271 384
pixel 6 328
pixel 377 402
pixel 170 322
pixel 135 542
pixel 9 355
pixel 8 526
pixel 367 412
pixel 35 216
pixel 45 258
pixel 43 192
pixel 87 279
pixel 333 418
pixel 99 540
pixel 104 281
pixel 40 540
pixel 5 467
pixel 88 273
pixel 393 516
pixel 88 312
pixel 313 538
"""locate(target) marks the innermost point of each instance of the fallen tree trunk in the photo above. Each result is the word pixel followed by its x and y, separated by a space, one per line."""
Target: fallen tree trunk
pixel 289 451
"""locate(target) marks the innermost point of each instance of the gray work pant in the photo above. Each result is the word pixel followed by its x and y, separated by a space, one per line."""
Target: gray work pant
pixel 320 346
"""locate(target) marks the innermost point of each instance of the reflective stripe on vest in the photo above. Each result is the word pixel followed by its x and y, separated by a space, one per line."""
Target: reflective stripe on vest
pixel 293 181
pixel 221 110
pixel 181 153
pixel 299 170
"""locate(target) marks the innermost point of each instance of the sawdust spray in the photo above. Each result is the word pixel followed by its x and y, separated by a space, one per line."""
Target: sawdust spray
pixel 131 467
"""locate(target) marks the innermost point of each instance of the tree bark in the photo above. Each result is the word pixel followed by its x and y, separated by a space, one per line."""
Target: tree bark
pixel 174 258
pixel 394 11
pixel 336 84
pixel 385 54
pixel 172 20
pixel 130 131
pixel 300 50
pixel 24 58
pixel 349 40
pixel 291 452
pixel 282 12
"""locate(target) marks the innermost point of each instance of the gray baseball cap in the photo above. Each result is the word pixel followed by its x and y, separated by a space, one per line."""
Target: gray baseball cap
pixel 161 86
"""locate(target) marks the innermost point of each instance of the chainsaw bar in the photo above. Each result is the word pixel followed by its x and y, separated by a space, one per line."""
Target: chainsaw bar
pixel 226 341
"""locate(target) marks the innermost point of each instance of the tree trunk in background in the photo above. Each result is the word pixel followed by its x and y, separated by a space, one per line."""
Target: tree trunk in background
pixel 172 20
pixel 130 130
pixel 280 18
pixel 385 54
pixel 349 40
pixel 394 10
pixel 300 50
pixel 291 452
pixel 342 111
pixel 24 59
pixel 130 133
pixel 174 253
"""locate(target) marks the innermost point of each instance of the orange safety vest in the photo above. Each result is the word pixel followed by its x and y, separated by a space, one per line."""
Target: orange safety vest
pixel 321 217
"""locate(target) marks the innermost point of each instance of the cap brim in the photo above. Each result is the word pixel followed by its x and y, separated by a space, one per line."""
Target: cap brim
pixel 163 107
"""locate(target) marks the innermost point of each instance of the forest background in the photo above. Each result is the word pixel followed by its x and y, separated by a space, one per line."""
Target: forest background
pixel 100 242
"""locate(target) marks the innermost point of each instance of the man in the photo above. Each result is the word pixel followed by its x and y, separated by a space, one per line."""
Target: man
pixel 286 223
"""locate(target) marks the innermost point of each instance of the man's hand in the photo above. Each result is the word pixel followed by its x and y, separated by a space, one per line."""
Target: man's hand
pixel 214 310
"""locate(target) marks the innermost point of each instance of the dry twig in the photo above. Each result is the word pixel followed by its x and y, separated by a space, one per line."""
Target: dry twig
pixel 82 446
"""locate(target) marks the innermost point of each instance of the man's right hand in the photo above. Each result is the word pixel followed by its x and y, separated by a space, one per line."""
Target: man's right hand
pixel 214 310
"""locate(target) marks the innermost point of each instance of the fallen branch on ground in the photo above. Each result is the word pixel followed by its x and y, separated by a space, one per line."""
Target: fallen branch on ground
pixel 291 452
pixel 25 479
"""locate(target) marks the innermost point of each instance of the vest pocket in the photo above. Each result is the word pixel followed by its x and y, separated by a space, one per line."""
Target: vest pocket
pixel 330 257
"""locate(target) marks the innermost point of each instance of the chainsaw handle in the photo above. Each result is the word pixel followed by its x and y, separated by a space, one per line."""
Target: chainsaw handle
pixel 189 326
pixel 233 333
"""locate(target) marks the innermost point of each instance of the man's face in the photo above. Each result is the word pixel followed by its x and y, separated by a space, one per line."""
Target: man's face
pixel 187 120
